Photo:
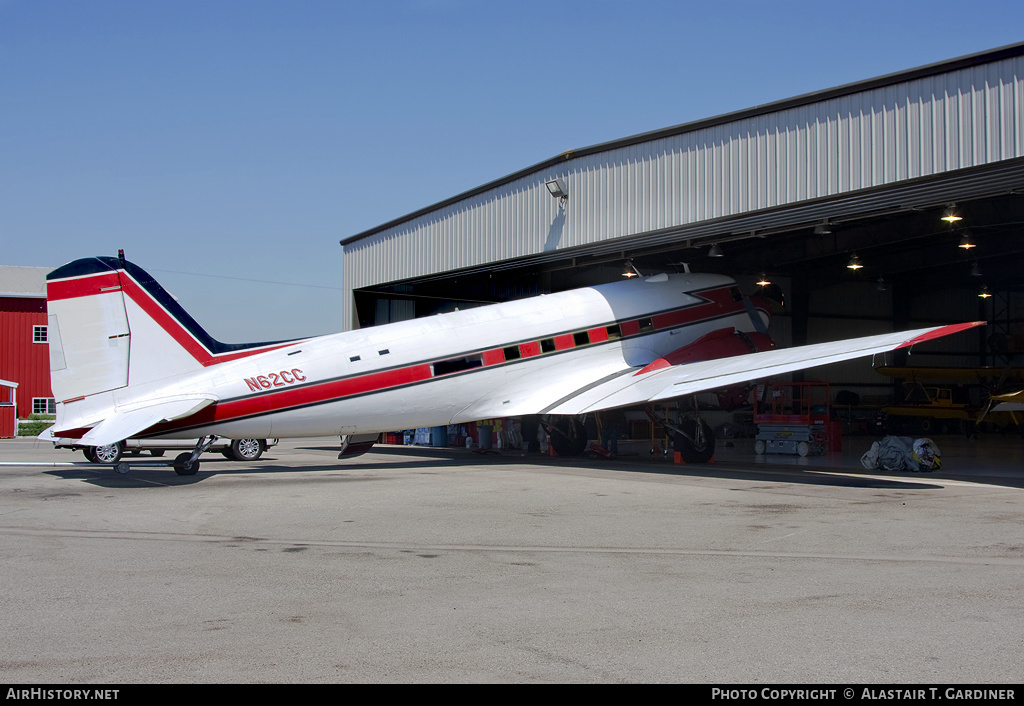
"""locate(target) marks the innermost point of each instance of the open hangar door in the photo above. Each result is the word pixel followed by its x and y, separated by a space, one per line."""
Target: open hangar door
pixel 901 270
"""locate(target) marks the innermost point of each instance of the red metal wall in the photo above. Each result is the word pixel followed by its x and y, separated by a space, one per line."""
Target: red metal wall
pixel 21 360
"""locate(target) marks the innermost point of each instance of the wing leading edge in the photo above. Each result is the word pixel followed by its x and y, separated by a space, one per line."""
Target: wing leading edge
pixel 630 386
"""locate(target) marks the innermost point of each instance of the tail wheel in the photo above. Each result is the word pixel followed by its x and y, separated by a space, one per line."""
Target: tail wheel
pixel 185 466
pixel 696 443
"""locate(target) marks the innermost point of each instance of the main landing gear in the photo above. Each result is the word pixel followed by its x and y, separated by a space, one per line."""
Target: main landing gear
pixel 567 435
pixel 692 437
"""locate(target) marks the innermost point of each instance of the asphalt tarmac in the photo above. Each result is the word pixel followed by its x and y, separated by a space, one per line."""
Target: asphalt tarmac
pixel 441 565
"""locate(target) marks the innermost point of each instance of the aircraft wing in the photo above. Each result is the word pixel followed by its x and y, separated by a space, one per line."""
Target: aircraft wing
pixel 135 419
pixel 630 386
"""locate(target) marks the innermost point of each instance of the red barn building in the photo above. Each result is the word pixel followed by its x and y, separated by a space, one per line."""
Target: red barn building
pixel 24 353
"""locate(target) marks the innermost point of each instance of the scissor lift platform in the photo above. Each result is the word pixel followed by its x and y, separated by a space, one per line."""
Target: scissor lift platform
pixel 793 418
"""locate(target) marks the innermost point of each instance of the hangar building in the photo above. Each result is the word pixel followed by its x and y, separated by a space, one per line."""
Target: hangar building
pixel 791 192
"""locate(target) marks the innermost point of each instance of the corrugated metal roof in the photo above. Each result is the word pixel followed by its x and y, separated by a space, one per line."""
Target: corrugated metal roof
pixel 929 70
pixel 17 281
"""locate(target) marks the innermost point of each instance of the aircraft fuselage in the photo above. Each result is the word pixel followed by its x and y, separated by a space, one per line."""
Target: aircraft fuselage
pixel 444 369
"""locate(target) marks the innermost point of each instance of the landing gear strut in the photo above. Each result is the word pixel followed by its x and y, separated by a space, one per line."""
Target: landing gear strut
pixel 187 464
pixel 567 434
pixel 692 437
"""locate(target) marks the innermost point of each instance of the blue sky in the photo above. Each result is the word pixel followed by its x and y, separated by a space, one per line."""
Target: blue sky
pixel 228 145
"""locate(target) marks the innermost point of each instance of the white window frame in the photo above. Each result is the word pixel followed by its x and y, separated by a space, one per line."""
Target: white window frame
pixel 40 334
pixel 48 404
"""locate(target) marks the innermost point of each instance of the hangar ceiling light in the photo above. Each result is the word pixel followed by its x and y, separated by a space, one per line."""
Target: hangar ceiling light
pixel 950 215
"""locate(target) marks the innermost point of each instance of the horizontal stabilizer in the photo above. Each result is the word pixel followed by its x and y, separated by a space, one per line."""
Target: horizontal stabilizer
pixel 133 421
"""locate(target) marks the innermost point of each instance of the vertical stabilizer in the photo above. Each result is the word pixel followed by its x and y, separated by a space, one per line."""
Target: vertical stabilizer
pixel 112 325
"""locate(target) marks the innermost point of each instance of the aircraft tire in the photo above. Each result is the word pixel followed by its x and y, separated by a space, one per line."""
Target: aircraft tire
pixel 183 466
pixel 691 452
pixel 568 436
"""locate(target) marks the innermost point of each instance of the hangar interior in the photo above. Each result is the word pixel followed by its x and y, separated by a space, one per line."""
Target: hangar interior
pixel 787 198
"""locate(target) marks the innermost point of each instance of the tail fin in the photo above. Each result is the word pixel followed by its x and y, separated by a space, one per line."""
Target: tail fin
pixel 112 325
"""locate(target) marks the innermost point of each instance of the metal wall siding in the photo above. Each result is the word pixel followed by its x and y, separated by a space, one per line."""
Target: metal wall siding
pixel 923 127
pixel 21 360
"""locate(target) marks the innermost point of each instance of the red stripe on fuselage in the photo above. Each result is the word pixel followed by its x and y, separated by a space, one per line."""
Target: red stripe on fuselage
pixel 293 398
pixel 716 302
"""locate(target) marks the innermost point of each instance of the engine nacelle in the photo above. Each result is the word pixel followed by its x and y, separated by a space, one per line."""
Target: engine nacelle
pixel 723 343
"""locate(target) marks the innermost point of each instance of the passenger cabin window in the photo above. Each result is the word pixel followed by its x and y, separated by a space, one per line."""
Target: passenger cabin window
pixel 385 351
pixel 614 332
pixel 353 359
pixel 511 352
pixel 457 365
pixel 547 345
pixel 581 338
pixel 646 324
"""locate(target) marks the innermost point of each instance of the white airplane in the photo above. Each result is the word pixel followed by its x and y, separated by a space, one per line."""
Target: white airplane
pixel 127 361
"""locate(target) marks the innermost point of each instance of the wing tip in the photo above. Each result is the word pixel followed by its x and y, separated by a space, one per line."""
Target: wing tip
pixel 939 332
